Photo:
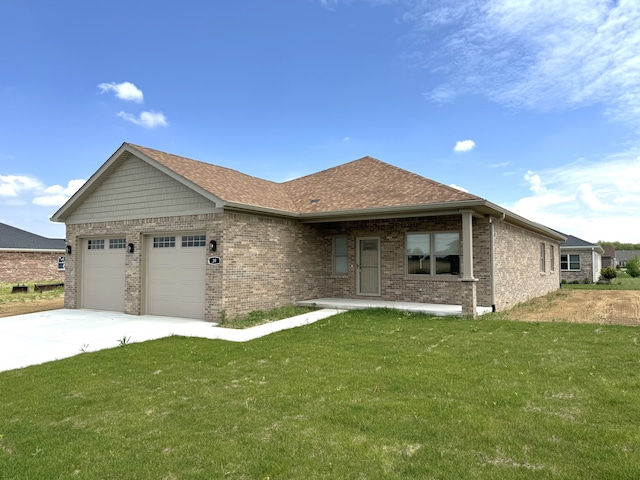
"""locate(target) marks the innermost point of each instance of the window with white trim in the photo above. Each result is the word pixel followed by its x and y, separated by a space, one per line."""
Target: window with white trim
pixel 61 262
pixel 433 253
pixel 543 265
pixel 570 262
pixel 552 258
pixel 339 255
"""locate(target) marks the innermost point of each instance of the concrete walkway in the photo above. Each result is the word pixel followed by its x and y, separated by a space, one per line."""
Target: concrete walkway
pixel 436 309
pixel 41 337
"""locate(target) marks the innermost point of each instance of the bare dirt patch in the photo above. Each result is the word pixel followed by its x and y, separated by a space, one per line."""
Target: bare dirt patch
pixel 18 307
pixel 613 307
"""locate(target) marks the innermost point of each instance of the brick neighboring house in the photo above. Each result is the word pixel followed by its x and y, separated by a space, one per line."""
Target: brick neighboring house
pixel 155 233
pixel 25 256
pixel 580 260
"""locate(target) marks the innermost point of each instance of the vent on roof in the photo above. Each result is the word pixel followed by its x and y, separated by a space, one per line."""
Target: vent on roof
pixel 314 200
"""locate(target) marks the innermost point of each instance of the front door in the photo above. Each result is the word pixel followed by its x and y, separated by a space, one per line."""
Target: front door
pixel 368 262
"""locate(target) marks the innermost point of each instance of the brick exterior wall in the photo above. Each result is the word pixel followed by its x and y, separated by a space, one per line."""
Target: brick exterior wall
pixel 135 231
pixel 21 267
pixel 586 266
pixel 268 262
pixel 517 265
pixel 395 284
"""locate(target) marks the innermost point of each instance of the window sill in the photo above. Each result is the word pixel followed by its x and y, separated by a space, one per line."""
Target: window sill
pixel 434 278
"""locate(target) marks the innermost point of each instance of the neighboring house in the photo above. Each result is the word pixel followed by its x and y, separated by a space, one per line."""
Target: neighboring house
pixel 580 260
pixel 26 256
pixel 609 257
pixel 154 233
pixel 623 256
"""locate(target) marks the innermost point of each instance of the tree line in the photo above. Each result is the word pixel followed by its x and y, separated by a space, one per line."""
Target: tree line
pixel 619 245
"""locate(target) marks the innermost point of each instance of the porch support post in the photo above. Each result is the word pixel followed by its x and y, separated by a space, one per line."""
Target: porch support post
pixel 468 293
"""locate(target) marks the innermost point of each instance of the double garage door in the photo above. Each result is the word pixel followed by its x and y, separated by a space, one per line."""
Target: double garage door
pixel 173 274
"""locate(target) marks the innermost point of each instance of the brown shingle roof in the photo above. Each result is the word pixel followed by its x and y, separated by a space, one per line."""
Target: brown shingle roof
pixel 367 183
pixel 225 183
pixel 362 184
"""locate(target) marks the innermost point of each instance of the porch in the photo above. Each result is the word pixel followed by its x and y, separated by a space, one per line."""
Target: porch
pixel 437 310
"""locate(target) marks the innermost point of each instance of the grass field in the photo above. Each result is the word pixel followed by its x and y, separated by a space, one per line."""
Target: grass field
pixel 622 282
pixel 362 395
pixel 7 297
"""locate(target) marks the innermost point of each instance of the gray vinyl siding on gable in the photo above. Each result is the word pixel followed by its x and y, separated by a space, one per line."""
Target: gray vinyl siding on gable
pixel 137 190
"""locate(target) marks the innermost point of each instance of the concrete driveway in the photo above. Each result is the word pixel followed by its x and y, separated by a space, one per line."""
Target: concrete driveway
pixel 45 336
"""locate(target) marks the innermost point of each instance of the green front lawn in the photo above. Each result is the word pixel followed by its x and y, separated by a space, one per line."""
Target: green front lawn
pixel 622 282
pixel 362 395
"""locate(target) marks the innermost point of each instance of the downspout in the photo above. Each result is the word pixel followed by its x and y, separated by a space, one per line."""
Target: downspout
pixel 492 261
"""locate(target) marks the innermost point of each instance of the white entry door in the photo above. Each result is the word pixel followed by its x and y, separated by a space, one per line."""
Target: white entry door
pixel 175 275
pixel 368 261
pixel 103 267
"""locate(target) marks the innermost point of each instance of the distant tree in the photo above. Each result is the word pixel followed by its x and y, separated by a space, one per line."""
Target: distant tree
pixel 633 267
pixel 608 274
pixel 618 245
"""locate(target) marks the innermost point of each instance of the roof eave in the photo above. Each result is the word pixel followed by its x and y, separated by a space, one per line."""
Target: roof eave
pixel 243 207
pixel 597 248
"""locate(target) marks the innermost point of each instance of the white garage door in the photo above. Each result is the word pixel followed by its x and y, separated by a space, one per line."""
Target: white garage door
pixel 175 275
pixel 103 273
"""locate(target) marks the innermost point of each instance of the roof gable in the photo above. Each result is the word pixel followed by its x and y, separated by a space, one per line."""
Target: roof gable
pixel 12 238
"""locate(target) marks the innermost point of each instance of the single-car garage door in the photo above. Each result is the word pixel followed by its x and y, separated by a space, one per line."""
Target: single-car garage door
pixel 103 281
pixel 175 275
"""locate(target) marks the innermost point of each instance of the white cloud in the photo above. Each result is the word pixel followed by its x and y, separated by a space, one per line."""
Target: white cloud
pixel 24 190
pixel 457 187
pixel 13 185
pixel 593 201
pixel 57 195
pixel 124 91
pixel 542 55
pixel 149 119
pixel 499 165
pixel 464 146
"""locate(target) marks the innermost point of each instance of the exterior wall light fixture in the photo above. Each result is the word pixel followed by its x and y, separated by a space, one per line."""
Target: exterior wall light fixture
pixel 213 245
pixel 130 247
pixel 69 249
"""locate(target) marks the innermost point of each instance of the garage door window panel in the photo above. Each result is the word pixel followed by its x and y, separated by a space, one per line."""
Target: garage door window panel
pixel 193 241
pixel 164 242
pixel 116 243
pixel 95 245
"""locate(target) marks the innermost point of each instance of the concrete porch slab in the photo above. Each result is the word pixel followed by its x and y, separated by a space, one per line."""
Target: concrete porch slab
pixel 358 304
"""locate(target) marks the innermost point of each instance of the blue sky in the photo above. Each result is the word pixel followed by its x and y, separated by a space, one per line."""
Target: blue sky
pixel 534 106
